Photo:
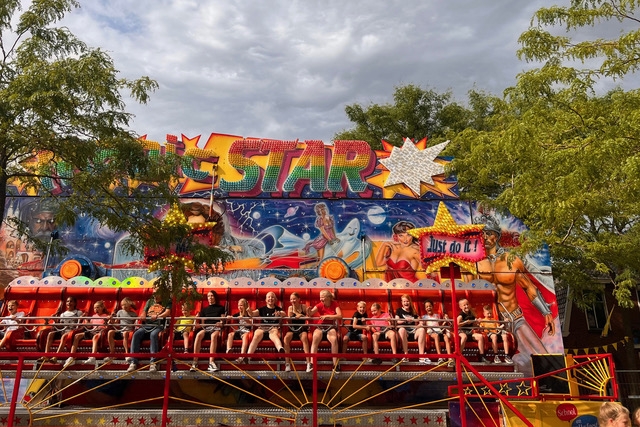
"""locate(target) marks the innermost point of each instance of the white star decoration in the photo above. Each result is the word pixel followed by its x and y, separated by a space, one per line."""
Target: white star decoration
pixel 410 166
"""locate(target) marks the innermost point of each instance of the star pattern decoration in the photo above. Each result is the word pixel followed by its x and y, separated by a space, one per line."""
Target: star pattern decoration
pixel 468 391
pixel 523 389
pixel 410 166
pixel 485 391
pixel 445 226
pixel 505 389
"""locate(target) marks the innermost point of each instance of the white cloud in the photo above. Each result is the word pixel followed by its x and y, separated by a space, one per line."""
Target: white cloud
pixel 285 69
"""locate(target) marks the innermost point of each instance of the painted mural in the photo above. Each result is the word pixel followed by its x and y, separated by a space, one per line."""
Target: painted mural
pixel 309 209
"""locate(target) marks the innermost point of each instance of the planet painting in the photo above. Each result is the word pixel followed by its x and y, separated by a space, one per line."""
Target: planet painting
pixel 376 215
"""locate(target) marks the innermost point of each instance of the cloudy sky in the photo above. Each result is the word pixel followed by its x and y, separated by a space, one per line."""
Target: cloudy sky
pixel 287 69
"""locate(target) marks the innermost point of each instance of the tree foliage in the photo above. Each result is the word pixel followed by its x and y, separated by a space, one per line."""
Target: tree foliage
pixel 416 113
pixel 61 99
pixel 563 158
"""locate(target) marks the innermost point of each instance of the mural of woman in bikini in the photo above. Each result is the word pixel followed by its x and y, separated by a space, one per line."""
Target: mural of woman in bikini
pixel 325 224
pixel 400 257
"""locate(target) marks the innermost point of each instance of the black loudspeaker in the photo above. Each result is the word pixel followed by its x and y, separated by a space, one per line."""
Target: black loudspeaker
pixel 545 363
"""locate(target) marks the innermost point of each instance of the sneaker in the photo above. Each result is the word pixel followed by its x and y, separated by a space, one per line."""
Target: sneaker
pixel 287 367
pixel 484 359
pixel 440 361
pixel 128 359
pixel 451 363
pixel 153 367
pixel 194 367
pixel 281 350
pixel 425 361
pixel 404 360
pixel 497 360
pixel 213 367
pixel 309 367
pixel 239 360
pixel 377 361
pixel 107 360
pixel 90 361
pixel 132 367
pixel 69 362
pixel 508 360
pixel 337 369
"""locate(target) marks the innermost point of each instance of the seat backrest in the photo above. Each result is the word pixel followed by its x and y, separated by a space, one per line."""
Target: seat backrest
pixel 348 300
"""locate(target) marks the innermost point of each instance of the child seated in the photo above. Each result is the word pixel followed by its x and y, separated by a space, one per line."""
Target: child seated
pixel 407 319
pixel 65 326
pixel 123 323
pixel 10 322
pixel 434 328
pixel 379 324
pixel 240 328
pixel 494 329
pixel 298 328
pixel 466 322
pixel 94 332
pixel 270 315
pixel 329 313
pixel 356 328
pixel 184 326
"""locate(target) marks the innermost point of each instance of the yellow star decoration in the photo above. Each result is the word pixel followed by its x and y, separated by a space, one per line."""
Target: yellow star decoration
pixel 225 420
pixel 485 390
pixel 63 421
pixel 89 421
pixel 198 421
pixel 185 421
pixel 445 225
pixel 358 420
pixel 239 421
pixel 371 420
pixel 212 420
pixel 320 420
pixel 468 390
pixel 523 389
pixel 505 389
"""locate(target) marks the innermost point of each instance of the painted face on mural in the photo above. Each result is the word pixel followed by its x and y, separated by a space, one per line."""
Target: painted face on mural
pixel 490 240
pixel 42 224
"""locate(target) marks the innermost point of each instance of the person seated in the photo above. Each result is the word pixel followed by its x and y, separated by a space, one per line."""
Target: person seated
pixel 209 326
pixel 434 328
pixel 494 330
pixel 10 322
pixel 356 328
pixel 65 326
pixel 240 325
pixel 381 328
pixel 329 313
pixel 467 323
pixel 407 319
pixel 183 327
pixel 298 329
pixel 94 332
pixel 270 316
pixel 156 311
pixel 122 323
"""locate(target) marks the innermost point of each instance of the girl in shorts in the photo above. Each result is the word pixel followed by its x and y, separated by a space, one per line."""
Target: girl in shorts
pixel 123 325
pixel 356 328
pixel 65 327
pixel 298 329
pixel 240 328
pixel 97 326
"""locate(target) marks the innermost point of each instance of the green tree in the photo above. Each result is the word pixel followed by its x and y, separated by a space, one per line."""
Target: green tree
pixel 563 158
pixel 416 113
pixel 62 99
